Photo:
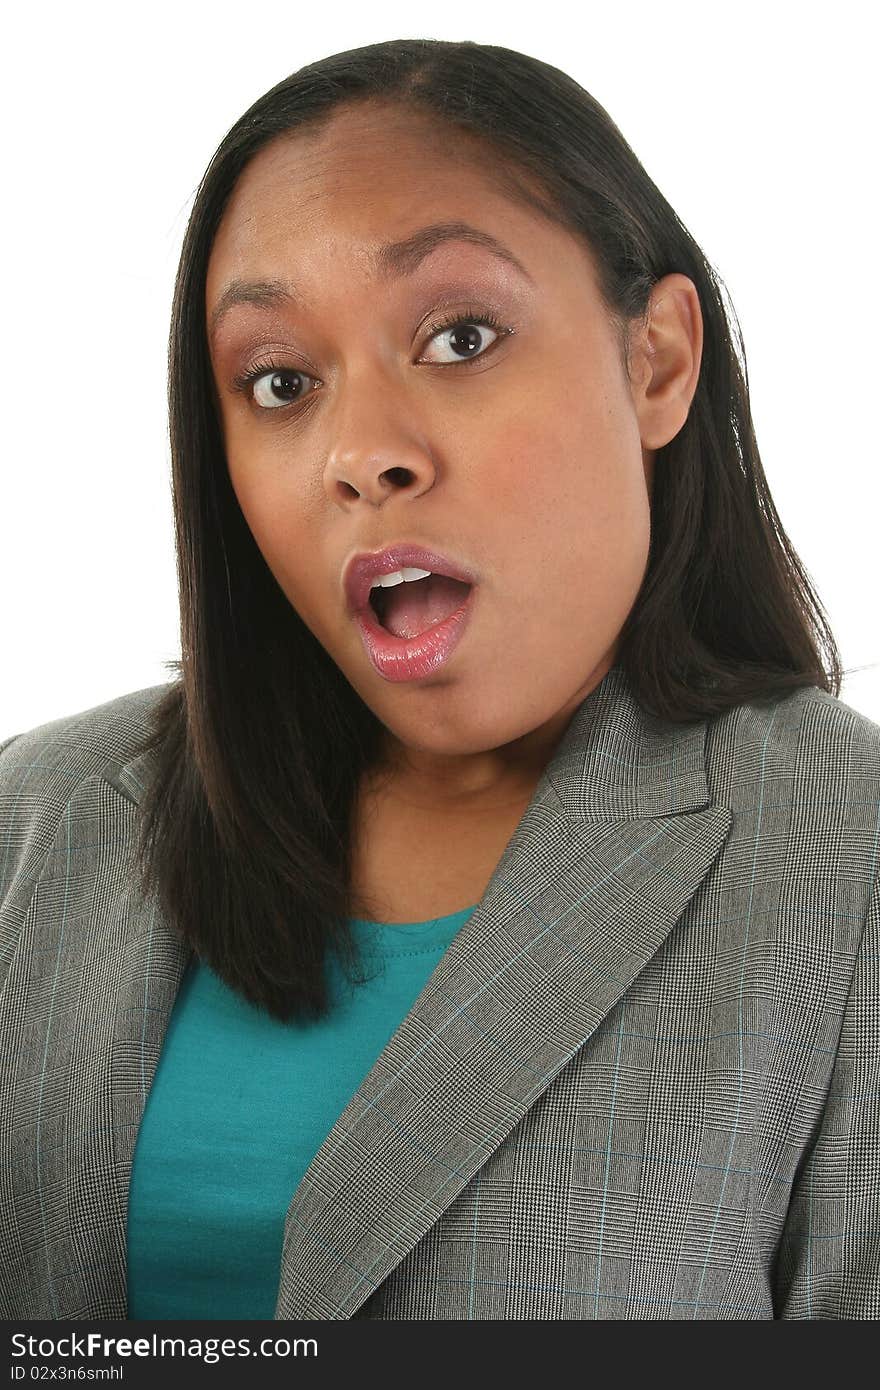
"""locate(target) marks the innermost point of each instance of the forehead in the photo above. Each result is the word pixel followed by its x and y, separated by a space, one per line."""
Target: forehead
pixel 345 161
pixel 370 174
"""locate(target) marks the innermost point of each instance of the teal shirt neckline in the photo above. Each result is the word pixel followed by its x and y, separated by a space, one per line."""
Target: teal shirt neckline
pixel 400 938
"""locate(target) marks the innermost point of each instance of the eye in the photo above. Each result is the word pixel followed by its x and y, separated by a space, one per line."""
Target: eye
pixel 465 336
pixel 274 385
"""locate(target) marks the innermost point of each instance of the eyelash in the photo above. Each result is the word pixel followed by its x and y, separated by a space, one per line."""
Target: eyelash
pixel 244 381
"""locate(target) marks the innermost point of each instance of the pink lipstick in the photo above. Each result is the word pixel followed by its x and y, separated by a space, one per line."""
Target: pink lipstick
pixel 418 654
pixel 409 658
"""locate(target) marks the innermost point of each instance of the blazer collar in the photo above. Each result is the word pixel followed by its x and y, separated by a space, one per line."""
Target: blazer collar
pixel 615 760
pixel 618 836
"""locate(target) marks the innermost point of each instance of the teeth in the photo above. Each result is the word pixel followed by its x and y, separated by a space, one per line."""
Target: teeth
pixel 387 581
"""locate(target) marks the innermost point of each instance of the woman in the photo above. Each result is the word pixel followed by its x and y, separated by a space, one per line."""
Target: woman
pixel 485 923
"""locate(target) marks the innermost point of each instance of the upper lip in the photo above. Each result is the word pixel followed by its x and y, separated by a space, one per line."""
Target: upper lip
pixel 362 569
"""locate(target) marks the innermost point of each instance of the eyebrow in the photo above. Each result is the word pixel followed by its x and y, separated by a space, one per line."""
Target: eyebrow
pixel 392 260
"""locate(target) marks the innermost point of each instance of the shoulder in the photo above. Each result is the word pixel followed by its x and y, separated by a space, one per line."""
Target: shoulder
pixel 801 775
pixel 41 769
pixel 54 756
pixel 806 740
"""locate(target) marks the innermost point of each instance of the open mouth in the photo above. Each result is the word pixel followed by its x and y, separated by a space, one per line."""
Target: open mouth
pixel 411 608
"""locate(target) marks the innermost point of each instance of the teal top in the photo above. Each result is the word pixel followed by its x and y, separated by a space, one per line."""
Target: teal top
pixel 239 1105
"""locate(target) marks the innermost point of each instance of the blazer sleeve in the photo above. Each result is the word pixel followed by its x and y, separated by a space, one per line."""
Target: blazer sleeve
pixel 828 1263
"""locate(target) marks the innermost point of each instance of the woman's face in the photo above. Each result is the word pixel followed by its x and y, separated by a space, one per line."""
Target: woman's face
pixel 524 461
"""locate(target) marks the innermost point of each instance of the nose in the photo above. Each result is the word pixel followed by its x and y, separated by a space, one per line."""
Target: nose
pixel 377 452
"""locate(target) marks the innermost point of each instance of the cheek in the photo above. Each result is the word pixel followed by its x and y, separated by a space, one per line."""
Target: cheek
pixel 573 464
pixel 263 483
pixel 609 533
pixel 281 527
pixel 570 484
pixel 262 507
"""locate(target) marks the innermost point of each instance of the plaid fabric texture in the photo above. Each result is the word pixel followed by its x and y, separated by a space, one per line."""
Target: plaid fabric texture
pixel 642 1083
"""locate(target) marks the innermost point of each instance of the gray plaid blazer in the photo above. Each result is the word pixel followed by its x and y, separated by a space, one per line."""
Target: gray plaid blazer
pixel 641 1083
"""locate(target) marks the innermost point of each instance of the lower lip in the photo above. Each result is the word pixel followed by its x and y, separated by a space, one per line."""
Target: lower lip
pixel 410 658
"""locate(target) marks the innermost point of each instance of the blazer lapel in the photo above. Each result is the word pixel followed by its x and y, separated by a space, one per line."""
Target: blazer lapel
pixel 616 840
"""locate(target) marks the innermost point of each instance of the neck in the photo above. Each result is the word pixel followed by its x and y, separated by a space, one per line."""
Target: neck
pixel 490 779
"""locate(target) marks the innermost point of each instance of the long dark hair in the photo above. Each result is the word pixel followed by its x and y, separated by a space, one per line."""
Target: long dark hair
pixel 261 742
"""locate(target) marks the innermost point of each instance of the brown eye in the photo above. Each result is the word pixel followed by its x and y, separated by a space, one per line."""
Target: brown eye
pixel 465 337
pixel 271 387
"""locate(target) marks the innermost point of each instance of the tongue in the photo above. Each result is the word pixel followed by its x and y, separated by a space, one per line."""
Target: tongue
pixel 410 609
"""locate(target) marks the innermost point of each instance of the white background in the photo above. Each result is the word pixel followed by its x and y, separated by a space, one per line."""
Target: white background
pixel 757 122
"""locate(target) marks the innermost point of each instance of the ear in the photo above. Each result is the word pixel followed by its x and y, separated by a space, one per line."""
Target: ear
pixel 665 359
